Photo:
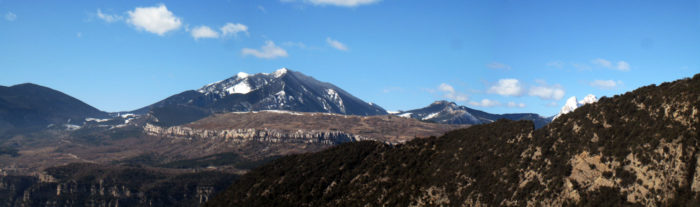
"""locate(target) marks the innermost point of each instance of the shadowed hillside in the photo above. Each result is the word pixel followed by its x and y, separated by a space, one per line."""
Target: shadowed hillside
pixel 639 148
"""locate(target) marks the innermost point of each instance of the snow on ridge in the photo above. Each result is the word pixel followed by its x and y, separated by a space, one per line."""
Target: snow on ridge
pixel 430 116
pixel 405 115
pixel 283 112
pixel 280 72
pixel 96 119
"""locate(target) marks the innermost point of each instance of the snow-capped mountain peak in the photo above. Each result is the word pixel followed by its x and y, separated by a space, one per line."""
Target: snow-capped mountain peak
pixel 242 75
pixel 283 89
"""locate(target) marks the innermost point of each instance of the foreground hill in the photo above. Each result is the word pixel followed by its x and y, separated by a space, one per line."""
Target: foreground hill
pixel 283 89
pixel 29 107
pixel 446 112
pixel 640 148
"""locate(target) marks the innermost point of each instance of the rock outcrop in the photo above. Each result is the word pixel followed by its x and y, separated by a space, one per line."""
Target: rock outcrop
pixel 258 135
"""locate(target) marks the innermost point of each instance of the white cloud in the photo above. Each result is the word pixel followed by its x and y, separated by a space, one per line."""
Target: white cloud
pixel 157 19
pixel 514 105
pixel 233 29
pixel 556 64
pixel 109 18
pixel 497 65
pixel 605 84
pixel 446 88
pixel 623 66
pixel 343 3
pixel 79 34
pixel 262 9
pixel 267 51
pixel 203 32
pixel 336 44
pixel 9 16
pixel 547 92
pixel 507 87
pixel 602 62
pixel 450 93
pixel 485 103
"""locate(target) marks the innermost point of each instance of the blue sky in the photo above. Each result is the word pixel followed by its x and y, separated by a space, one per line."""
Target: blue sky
pixel 497 56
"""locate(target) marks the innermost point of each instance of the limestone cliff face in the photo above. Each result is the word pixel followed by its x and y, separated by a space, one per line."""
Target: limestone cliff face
pixel 260 135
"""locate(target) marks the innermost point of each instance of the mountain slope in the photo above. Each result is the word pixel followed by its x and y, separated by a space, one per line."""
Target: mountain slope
pixel 282 90
pixel 30 107
pixel 445 112
pixel 640 148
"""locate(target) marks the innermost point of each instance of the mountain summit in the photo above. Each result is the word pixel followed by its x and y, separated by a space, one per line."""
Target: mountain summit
pixel 283 89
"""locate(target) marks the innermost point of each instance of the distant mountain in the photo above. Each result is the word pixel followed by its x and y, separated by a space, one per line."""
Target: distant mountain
pixel 572 104
pixel 283 89
pixel 640 148
pixel 29 106
pixel 446 112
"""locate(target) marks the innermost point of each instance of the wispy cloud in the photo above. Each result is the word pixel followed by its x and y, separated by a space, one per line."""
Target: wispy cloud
pixel 9 16
pixel 556 64
pixel 512 104
pixel 450 93
pixel 341 3
pixel 232 29
pixel 267 51
pixel 546 92
pixel 485 103
pixel 507 87
pixel 203 32
pixel 498 66
pixel 621 65
pixel 295 44
pixel 605 84
pixel 109 18
pixel 157 19
pixel 336 44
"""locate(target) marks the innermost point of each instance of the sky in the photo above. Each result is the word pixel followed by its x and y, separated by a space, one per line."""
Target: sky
pixel 496 56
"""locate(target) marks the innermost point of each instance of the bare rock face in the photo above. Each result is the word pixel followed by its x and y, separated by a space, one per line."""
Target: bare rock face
pixel 250 135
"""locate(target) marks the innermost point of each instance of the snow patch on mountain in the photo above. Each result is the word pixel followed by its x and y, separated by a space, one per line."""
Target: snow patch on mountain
pixel 430 116
pixel 240 88
pixel 405 115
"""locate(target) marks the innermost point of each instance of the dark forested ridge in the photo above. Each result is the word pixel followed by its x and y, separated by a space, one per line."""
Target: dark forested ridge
pixel 639 148
pixel 28 107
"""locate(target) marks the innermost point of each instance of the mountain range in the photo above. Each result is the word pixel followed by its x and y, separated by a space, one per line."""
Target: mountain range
pixel 32 106
pixel 446 112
